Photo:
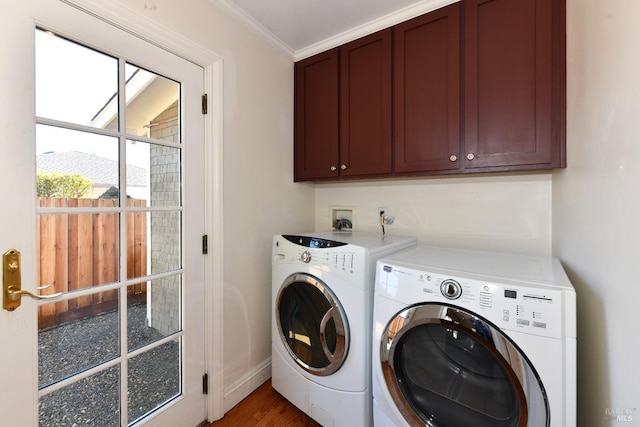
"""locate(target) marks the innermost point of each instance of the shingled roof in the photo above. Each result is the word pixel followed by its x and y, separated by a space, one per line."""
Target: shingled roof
pixel 100 171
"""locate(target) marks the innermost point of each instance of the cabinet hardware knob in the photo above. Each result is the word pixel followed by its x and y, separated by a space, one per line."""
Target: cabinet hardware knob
pixel 333 168
pixel 471 156
pixel 453 157
pixel 343 167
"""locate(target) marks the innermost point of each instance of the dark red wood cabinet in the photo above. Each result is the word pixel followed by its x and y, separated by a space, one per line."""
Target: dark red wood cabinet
pixel 365 106
pixel 476 86
pixel 427 92
pixel 343 111
pixel 316 117
pixel 514 68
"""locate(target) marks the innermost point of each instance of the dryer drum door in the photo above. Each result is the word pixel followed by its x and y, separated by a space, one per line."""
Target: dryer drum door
pixel 445 366
pixel 312 324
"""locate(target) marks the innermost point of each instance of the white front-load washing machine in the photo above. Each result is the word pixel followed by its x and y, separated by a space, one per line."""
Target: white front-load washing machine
pixel 321 324
pixel 466 338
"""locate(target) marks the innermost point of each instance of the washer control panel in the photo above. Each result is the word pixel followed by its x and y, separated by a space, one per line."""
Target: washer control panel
pixel 313 242
pixel 305 257
pixel 509 305
pixel 337 258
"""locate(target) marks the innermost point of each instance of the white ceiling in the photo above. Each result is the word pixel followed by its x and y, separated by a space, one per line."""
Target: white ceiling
pixel 304 27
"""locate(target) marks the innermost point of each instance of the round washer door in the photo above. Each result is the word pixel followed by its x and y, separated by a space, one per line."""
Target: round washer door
pixel 445 366
pixel 312 324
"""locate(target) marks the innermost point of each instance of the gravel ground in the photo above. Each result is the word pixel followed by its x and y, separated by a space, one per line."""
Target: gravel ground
pixel 153 376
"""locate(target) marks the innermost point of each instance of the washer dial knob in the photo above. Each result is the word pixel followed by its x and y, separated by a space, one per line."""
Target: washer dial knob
pixel 450 289
pixel 305 257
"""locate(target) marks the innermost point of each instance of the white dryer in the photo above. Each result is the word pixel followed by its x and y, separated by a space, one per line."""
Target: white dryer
pixel 322 303
pixel 470 338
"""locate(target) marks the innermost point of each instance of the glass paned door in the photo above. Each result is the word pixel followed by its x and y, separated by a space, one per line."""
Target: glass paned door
pixel 114 197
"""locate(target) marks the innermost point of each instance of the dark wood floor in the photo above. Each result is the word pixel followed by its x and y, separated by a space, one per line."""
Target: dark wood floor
pixel 264 407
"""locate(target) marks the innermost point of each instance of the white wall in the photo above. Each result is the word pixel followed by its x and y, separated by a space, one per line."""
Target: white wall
pixel 495 212
pixel 260 198
pixel 596 204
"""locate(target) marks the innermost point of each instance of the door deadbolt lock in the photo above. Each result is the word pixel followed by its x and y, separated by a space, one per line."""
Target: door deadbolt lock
pixel 12 282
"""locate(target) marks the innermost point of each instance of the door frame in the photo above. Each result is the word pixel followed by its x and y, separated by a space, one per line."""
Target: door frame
pixel 143 27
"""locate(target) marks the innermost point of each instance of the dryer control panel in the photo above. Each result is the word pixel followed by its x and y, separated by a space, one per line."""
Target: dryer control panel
pixel 508 304
pixel 533 310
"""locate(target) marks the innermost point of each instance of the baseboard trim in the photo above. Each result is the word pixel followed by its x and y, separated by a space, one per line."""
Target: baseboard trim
pixel 242 388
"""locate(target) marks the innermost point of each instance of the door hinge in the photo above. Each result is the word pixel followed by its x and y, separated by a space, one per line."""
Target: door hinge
pixel 205 244
pixel 204 104
pixel 205 384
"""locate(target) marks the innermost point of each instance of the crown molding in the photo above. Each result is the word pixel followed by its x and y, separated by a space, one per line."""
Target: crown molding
pixel 255 26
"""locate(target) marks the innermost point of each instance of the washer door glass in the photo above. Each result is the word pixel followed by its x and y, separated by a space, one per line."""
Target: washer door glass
pixel 449 367
pixel 312 324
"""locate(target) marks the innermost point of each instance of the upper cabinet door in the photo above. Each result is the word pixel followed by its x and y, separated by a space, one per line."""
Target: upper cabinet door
pixel 514 84
pixel 316 117
pixel 365 106
pixel 427 92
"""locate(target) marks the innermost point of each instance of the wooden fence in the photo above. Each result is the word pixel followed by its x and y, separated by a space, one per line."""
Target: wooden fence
pixel 79 251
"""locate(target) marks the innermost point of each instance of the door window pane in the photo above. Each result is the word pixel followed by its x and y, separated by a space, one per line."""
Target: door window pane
pixel 165 241
pixel 73 342
pixel 154 174
pixel 154 379
pixel 74 83
pixel 154 311
pixel 72 164
pixel 78 251
pixel 154 242
pixel 92 401
pixel 155 112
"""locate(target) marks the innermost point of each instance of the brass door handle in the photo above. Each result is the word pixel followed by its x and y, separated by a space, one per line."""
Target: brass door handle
pixel 12 282
pixel 15 295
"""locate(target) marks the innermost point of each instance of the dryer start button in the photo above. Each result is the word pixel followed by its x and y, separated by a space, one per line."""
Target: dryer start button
pixel 451 289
